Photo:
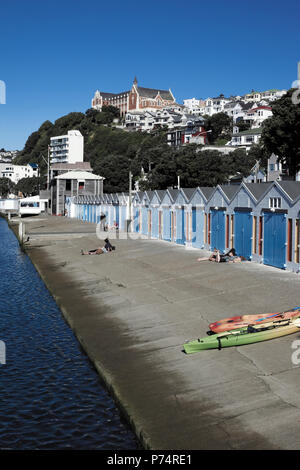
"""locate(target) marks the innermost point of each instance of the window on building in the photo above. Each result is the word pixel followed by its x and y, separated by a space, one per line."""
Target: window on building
pixel 68 185
pixel 80 185
pixel 275 202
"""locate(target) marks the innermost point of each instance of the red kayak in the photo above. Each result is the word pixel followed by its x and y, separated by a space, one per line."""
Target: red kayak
pixel 244 320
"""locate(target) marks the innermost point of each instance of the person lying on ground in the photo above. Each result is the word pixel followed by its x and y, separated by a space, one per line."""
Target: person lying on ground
pixel 97 251
pixel 229 257
pixel 232 257
pixel 108 247
pixel 215 256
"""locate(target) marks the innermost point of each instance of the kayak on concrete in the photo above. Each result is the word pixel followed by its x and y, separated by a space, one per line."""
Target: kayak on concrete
pixel 246 335
pixel 233 323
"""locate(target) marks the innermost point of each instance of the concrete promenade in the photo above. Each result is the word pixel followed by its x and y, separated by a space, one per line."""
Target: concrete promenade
pixel 133 309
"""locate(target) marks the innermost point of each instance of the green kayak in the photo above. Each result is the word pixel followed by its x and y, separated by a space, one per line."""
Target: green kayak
pixel 245 335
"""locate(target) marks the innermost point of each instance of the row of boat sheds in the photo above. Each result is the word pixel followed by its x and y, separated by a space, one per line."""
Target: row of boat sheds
pixel 260 220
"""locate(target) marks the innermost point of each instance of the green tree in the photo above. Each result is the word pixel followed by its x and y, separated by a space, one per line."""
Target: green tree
pixel 29 186
pixel 281 132
pixel 242 125
pixel 220 125
pixel 6 186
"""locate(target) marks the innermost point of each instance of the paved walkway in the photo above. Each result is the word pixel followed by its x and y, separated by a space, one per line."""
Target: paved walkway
pixel 133 309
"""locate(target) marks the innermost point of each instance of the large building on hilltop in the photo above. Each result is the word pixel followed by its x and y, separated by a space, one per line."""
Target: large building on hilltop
pixel 137 98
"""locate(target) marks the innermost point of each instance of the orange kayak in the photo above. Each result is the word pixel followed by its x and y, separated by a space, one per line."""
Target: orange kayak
pixel 233 323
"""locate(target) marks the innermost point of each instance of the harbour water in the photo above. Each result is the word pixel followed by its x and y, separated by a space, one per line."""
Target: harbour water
pixel 50 395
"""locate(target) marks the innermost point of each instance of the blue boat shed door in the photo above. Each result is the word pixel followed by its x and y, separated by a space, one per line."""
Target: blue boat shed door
pixel 154 224
pixel 218 229
pixel 117 215
pixel 274 253
pixel 197 227
pixel 167 225
pixel 243 233
pixel 180 230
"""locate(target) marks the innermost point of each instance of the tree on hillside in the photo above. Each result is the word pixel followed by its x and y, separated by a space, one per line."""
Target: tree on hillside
pixel 220 125
pixel 6 186
pixel 242 125
pixel 281 132
pixel 29 186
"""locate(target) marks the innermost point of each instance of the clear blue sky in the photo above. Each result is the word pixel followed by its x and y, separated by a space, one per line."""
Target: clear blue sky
pixel 55 54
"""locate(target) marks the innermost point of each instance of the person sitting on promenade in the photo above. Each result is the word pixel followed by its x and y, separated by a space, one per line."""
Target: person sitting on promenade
pixel 115 226
pixel 108 246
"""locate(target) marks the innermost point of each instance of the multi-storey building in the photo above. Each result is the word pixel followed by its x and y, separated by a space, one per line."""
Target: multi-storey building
pixel 17 172
pixel 137 98
pixel 67 148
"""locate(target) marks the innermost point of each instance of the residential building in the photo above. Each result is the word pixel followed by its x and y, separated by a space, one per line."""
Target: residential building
pixel 214 105
pixel 7 156
pixel 256 116
pixel 254 96
pixel 67 148
pixel 237 109
pixel 245 138
pixel 182 128
pixel 272 95
pixel 137 98
pixel 17 172
pixel 189 131
pixel 194 106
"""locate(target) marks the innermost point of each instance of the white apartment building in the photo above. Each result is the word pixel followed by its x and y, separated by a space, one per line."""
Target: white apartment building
pixel 67 148
pixel 16 172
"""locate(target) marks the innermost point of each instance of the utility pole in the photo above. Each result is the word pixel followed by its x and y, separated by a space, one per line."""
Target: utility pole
pixel 48 168
pixel 48 160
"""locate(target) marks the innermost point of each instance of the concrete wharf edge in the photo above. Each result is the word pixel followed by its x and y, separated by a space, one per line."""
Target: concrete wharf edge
pixel 133 309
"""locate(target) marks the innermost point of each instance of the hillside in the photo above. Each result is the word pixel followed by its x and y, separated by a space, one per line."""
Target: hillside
pixel 113 152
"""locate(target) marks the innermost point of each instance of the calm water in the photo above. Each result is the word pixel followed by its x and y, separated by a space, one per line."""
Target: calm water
pixel 50 395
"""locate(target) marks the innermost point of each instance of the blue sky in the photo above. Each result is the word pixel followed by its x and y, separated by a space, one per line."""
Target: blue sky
pixel 55 54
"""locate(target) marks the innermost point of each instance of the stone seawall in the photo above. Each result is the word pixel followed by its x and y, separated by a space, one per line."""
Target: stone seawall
pixel 133 309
